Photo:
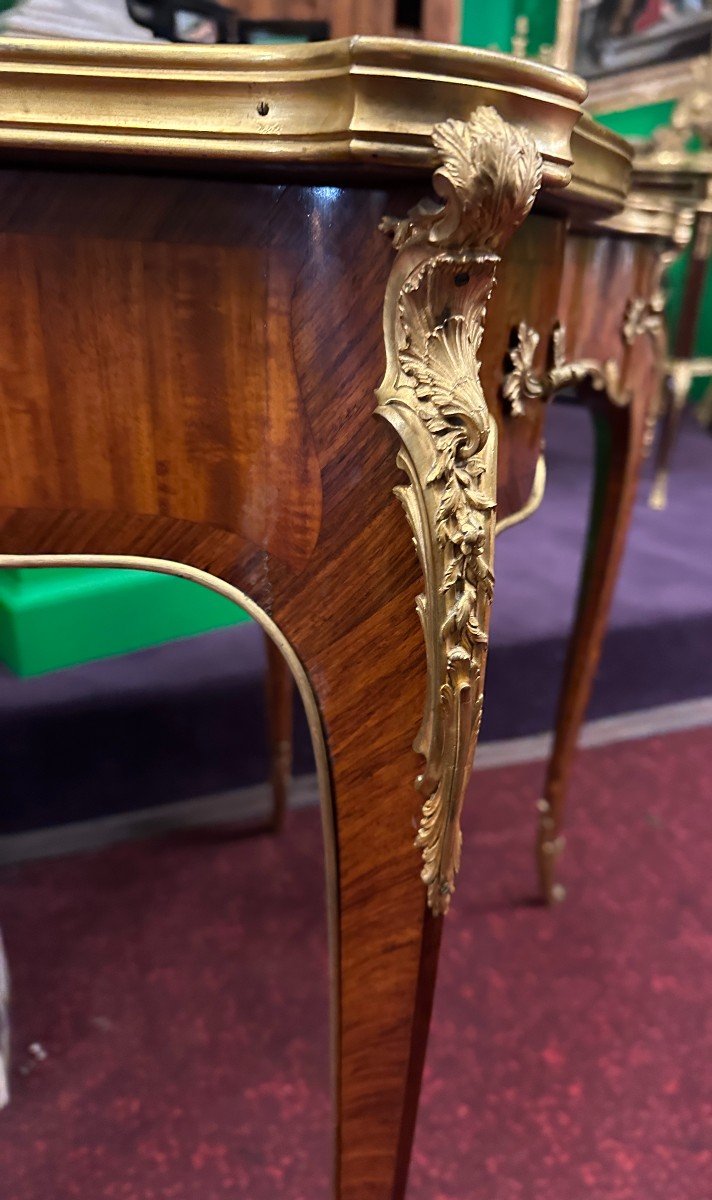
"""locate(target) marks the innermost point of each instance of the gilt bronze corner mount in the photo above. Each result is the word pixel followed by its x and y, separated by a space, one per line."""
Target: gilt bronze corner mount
pixel 434 316
pixel 523 383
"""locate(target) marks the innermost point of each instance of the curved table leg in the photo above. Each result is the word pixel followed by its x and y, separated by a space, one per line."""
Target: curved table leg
pixel 280 700
pixel 619 435
pixel 678 387
pixel 388 951
pixel 385 940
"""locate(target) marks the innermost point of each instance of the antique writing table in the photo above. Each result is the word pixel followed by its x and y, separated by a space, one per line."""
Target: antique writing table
pixel 687 180
pixel 210 260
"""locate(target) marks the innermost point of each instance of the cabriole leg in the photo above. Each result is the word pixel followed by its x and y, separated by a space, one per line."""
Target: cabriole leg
pixel 677 391
pixel 280 701
pixel 619 435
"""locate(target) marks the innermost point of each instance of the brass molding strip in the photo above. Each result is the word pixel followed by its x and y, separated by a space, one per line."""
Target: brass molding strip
pixel 532 504
pixel 361 101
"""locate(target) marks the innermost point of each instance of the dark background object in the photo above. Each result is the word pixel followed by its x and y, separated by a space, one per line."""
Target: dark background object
pixel 206 22
pixel 615 36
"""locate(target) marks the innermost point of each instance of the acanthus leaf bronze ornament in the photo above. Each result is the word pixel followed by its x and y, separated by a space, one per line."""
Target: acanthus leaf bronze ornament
pixel 434 317
pixel 644 316
pixel 522 383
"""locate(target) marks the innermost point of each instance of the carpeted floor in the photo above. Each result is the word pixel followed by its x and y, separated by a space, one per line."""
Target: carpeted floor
pixel 178 989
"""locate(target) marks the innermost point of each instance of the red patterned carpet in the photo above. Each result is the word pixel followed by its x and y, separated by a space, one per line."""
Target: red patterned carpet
pixel 178 989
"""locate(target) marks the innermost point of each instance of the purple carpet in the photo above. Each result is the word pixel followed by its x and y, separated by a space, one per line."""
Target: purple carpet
pixel 188 719
pixel 658 646
pixel 178 990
